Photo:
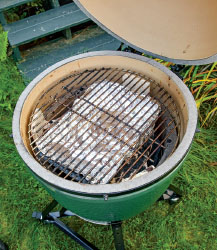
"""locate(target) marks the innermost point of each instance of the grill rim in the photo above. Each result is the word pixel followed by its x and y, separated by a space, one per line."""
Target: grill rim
pixel 169 165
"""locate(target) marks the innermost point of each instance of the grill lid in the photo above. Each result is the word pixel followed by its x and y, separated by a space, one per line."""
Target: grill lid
pixel 182 32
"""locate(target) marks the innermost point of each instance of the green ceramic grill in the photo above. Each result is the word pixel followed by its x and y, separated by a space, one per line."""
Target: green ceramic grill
pixel 106 132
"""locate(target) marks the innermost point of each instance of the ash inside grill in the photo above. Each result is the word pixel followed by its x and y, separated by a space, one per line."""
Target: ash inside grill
pixel 103 126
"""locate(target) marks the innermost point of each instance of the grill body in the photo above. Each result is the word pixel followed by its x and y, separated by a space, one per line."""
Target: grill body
pixel 102 209
pixel 107 202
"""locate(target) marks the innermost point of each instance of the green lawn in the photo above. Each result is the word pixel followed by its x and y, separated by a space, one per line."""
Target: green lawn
pixel 190 224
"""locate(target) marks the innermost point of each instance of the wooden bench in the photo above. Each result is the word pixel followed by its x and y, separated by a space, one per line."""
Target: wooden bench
pixel 31 28
pixel 45 23
pixel 8 4
pixel 91 38
pixel 59 18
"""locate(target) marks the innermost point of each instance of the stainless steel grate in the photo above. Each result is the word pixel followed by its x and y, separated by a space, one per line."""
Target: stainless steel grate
pixel 103 126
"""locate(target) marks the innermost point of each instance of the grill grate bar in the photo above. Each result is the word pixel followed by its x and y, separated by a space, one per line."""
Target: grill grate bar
pixel 98 126
pixel 69 96
pixel 113 116
pixel 123 155
pixel 79 109
pixel 89 128
pixel 100 140
pixel 68 125
pixel 50 100
pixel 135 152
pixel 154 142
pixel 60 112
pixel 114 144
pixel 137 170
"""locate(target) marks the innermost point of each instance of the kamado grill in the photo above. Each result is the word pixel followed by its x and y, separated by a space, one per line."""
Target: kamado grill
pixel 106 132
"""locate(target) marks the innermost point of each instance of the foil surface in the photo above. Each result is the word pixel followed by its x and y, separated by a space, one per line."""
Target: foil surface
pixel 99 131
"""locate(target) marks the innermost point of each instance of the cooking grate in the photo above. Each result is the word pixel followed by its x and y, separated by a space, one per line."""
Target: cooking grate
pixel 103 126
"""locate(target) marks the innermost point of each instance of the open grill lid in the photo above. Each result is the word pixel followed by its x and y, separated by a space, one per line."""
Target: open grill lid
pixel 183 32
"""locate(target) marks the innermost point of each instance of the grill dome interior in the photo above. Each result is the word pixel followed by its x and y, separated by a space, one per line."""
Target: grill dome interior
pixel 177 31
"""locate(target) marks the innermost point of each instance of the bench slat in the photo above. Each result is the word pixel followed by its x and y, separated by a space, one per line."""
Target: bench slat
pixel 92 39
pixel 44 24
pixel 7 4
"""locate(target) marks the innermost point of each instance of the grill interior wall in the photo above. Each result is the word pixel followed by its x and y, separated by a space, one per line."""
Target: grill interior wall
pixel 59 89
pixel 87 63
pixel 178 115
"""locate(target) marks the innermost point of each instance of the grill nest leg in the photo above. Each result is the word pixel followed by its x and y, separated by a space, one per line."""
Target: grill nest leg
pixel 52 217
pixel 118 236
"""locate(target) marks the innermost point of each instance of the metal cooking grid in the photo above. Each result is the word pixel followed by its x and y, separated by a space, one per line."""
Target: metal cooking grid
pixel 53 104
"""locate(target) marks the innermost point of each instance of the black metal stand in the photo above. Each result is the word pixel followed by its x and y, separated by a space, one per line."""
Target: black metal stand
pixel 52 217
pixel 172 194
pixel 118 236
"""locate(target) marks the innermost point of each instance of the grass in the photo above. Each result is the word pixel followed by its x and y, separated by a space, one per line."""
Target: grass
pixel 202 82
pixel 191 224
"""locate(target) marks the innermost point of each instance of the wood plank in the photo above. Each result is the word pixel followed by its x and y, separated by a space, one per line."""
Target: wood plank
pixel 45 55
pixel 44 24
pixel 7 4
pixel 54 3
pixel 3 21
